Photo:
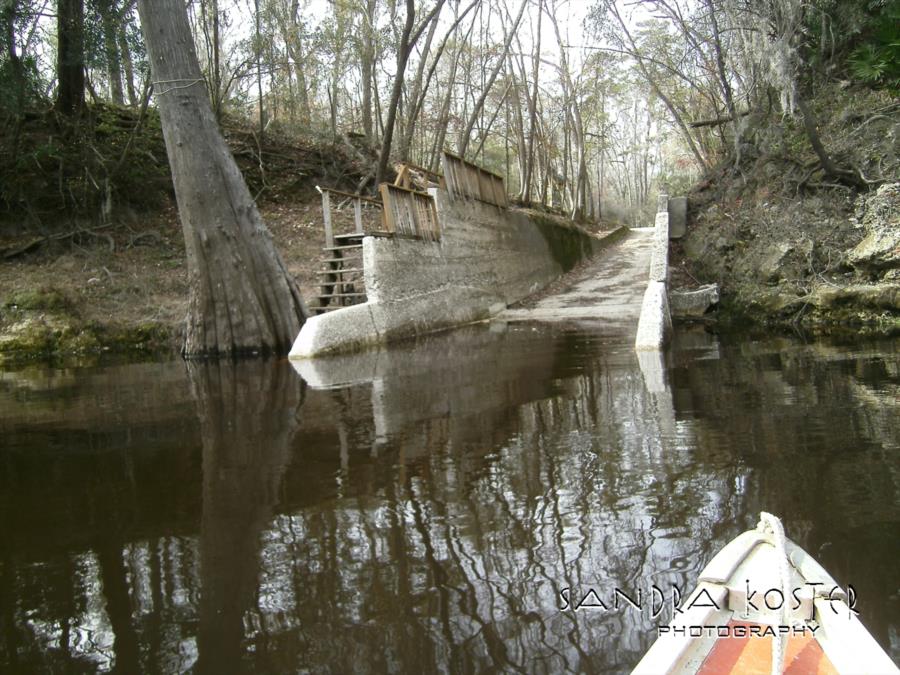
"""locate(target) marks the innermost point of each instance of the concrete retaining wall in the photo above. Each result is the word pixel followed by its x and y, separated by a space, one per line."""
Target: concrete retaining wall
pixel 655 324
pixel 487 258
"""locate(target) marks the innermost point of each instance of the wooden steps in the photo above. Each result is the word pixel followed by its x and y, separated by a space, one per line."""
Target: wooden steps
pixel 346 247
pixel 343 270
pixel 342 282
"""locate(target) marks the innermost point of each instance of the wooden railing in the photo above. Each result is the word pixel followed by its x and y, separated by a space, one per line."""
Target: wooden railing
pixel 409 213
pixel 358 202
pixel 465 180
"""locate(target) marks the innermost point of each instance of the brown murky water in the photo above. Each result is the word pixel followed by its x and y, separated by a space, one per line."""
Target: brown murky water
pixel 426 511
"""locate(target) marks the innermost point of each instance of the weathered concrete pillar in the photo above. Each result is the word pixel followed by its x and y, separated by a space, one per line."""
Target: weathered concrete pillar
pixel 677 217
pixel 662 202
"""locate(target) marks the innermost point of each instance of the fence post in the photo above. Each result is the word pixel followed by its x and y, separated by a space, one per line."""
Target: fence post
pixel 387 213
pixel 326 216
pixel 357 215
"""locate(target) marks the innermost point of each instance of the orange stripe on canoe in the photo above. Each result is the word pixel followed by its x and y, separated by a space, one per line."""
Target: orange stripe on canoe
pixel 753 655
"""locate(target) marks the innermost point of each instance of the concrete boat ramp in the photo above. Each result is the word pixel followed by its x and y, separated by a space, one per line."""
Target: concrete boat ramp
pixel 461 254
pixel 606 293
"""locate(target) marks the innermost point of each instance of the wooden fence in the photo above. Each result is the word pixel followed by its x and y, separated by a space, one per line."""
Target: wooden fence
pixel 414 177
pixel 469 181
pixel 358 203
pixel 409 213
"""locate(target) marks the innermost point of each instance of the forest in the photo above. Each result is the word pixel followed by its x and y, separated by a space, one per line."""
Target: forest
pixel 590 109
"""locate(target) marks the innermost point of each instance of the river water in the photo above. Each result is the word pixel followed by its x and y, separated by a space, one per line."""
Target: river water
pixel 425 508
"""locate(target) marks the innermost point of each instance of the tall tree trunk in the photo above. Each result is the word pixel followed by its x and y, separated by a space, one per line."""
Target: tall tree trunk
pixel 444 114
pixel 402 57
pixel 724 82
pixel 408 40
pixel 242 299
pixel 366 67
pixel 466 134
pixel 218 95
pixel 420 89
pixel 17 68
pixel 110 20
pixel 579 165
pixel 532 109
pixel 409 124
pixel 127 66
pixel 70 56
pixel 292 32
pixel 259 85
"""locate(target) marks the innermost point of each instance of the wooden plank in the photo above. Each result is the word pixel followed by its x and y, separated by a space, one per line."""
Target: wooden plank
pixel 409 213
pixel 497 191
pixel 357 215
pixel 326 215
pixel 410 190
pixel 403 177
pixel 436 224
pixel 463 179
pixel 485 187
pixel 464 161
pixel 449 183
pixel 343 270
pixel 349 195
pixel 387 215
pixel 474 176
pixel 342 248
pixel 422 169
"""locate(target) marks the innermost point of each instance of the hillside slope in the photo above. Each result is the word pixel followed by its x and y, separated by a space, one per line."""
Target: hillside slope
pixel 788 245
pixel 76 280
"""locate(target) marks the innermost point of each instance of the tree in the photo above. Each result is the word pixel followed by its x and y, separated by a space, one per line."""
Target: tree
pixel 466 134
pixel 242 299
pixel 408 39
pixel 70 56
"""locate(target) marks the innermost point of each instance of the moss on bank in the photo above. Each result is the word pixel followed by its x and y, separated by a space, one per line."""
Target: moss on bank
pixel 43 324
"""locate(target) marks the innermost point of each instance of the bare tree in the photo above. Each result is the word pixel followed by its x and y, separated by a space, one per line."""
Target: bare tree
pixel 478 107
pixel 408 39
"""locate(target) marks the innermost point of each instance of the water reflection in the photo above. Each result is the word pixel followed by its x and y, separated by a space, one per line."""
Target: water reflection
pixel 249 415
pixel 423 508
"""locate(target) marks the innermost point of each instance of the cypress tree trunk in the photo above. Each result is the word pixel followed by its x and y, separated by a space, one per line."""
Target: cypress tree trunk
pixel 242 299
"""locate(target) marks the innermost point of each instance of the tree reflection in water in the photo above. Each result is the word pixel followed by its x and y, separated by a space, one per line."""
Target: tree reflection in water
pixel 248 414
pixel 428 515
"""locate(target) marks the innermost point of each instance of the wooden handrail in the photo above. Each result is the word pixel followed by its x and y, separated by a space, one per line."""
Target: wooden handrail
pixel 422 169
pixel 397 187
pixel 349 195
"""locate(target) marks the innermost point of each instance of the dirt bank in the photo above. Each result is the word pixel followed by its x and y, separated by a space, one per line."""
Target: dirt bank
pixel 123 289
pixel 79 280
pixel 791 247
